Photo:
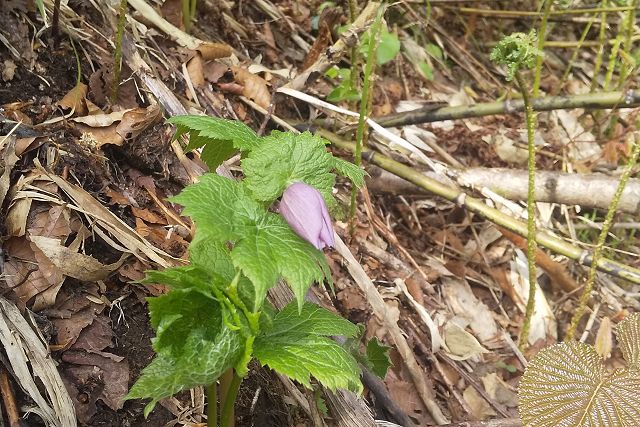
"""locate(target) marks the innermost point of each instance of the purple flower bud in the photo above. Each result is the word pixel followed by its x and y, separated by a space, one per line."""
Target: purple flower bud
pixel 303 207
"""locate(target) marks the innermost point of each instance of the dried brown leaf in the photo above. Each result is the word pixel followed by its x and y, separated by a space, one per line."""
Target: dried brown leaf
pixel 100 120
pixel 211 50
pixel 72 263
pixel 137 120
pixel 75 101
pixel 604 338
pixel 255 87
pixel 195 68
pixel 96 137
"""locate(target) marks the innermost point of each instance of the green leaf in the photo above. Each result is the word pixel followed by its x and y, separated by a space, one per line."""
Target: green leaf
pixel 378 357
pixel 193 344
pixel 349 170
pixel 211 254
pixel 265 247
pixel 220 206
pixel 271 250
pixel 176 314
pixel 388 47
pixel 43 12
pixel 516 51
pixel 285 158
pixel 343 92
pixel 426 70
pixel 201 362
pixel 311 320
pixel 220 137
pixel 434 50
pixel 297 346
pixel 185 278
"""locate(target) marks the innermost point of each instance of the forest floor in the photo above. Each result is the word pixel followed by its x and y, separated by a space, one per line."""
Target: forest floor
pixel 85 179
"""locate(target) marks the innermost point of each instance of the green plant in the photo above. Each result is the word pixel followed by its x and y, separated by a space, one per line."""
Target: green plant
pixel 568 384
pixel 517 51
pixel 387 47
pixel 117 53
pixel 188 12
pixel 216 316
pixel 42 11
pixel 541 39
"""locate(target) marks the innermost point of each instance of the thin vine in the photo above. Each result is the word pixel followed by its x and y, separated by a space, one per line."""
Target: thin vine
pixel 597 252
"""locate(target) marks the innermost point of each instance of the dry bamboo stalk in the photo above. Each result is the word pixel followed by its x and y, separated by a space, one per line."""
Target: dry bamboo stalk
pixel 600 100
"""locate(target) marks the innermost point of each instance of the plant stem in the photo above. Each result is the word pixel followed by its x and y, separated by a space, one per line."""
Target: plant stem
pixel 427 4
pixel 353 79
pixel 531 209
pixel 186 16
pixel 365 103
pixel 597 252
pixel 117 55
pixel 611 66
pixel 574 55
pixel 626 47
pixel 542 35
pixel 227 416
pixel 601 43
pixel 192 9
pixel 212 405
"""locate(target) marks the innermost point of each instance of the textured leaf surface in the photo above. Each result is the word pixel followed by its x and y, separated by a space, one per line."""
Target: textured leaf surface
pixel 193 345
pixel 270 250
pixel 284 158
pixel 220 137
pixel 297 346
pixel 186 277
pixel 567 385
pixel 201 362
pixel 265 247
pixel 232 208
pixel 349 170
pixel 628 333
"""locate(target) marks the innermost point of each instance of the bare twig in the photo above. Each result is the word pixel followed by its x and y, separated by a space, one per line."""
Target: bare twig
pixel 9 398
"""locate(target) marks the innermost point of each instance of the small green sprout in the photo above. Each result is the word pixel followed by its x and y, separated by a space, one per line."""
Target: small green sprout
pixel 516 51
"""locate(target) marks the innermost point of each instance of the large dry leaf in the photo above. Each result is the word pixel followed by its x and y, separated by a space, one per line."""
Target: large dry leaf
pixel 136 120
pixel 96 367
pixel 195 68
pixel 72 263
pixel 29 272
pixel 568 385
pixel 464 303
pixel 75 101
pixel 461 344
pixel 101 120
pixel 96 137
pixel 254 87
pixel 480 408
